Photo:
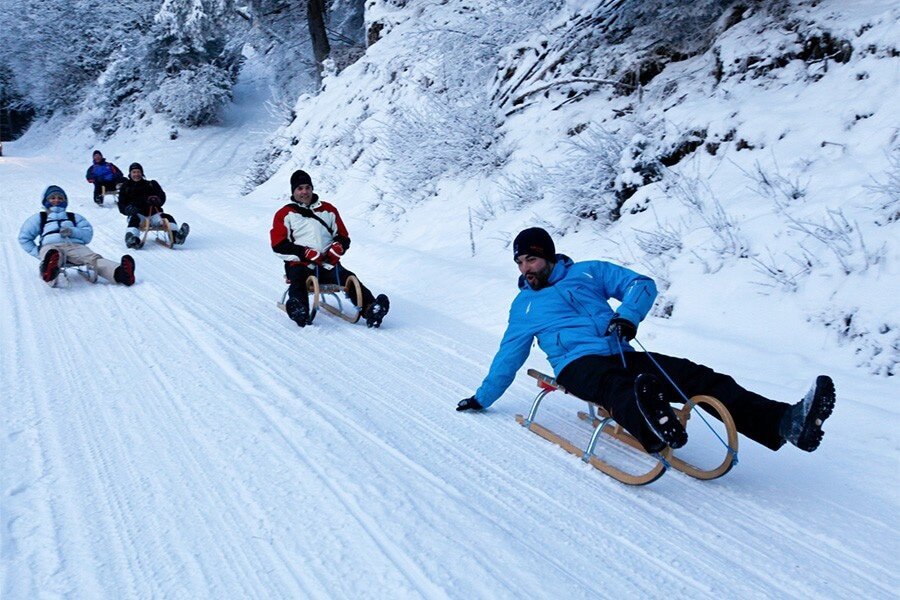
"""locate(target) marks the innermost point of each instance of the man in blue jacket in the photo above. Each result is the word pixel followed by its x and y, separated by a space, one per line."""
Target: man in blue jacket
pixel 103 174
pixel 59 238
pixel 565 305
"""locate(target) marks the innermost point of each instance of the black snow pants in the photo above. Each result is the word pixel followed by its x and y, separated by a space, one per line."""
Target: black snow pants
pixel 603 380
pixel 297 273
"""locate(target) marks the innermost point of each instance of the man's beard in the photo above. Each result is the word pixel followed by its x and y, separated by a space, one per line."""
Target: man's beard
pixel 540 278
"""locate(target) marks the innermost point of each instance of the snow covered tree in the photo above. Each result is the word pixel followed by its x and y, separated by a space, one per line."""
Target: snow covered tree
pixel 196 64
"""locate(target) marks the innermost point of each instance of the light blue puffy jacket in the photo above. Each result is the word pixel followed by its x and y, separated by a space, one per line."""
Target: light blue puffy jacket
pixel 569 317
pixel 82 232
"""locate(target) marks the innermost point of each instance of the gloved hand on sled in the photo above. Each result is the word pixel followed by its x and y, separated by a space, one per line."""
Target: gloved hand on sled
pixel 622 328
pixel 468 404
pixel 313 255
pixel 334 253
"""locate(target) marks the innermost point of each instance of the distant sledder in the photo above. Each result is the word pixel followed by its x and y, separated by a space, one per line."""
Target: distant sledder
pixel 106 177
pixel 141 200
pixel 311 238
pixel 62 239
pixel 565 305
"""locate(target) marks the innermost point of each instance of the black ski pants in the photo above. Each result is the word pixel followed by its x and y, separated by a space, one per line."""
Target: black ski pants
pixel 297 274
pixel 605 381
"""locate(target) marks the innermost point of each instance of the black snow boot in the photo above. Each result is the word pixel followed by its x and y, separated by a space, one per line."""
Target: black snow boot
pixel 376 311
pixel 124 273
pixel 801 424
pixel 50 266
pixel 179 235
pixel 297 311
pixel 658 412
pixel 132 241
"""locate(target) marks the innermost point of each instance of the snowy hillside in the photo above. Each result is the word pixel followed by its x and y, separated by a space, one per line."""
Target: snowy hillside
pixel 182 438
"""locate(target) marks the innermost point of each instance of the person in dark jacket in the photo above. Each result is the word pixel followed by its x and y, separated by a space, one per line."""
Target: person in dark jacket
pixel 141 199
pixel 63 238
pixel 564 305
pixel 311 238
pixel 104 175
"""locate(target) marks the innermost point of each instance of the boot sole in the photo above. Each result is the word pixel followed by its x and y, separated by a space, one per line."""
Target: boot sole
pixel 50 270
pixel 822 407
pixel 660 416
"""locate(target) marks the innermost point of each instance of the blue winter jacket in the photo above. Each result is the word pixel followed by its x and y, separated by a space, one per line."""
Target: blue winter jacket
pixel 569 317
pixel 82 232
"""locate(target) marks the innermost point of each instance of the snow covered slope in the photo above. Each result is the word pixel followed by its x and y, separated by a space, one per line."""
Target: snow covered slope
pixel 182 438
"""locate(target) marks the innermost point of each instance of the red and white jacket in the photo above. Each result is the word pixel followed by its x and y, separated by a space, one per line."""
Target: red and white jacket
pixel 296 228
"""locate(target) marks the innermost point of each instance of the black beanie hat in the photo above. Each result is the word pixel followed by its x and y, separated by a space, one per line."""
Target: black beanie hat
pixel 299 178
pixel 134 166
pixel 534 241
pixel 97 153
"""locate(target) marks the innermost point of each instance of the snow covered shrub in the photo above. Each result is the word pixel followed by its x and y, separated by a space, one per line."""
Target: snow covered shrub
pixel 661 241
pixel 195 95
pixel 623 44
pixel 696 195
pixel 889 189
pixel 440 136
pixel 775 185
pixel 786 278
pixel 837 234
pixel 587 183
pixel 875 341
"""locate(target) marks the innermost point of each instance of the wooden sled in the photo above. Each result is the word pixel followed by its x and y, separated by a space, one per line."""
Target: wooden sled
pixel 104 192
pixel 603 423
pixel 163 234
pixel 342 301
pixel 86 271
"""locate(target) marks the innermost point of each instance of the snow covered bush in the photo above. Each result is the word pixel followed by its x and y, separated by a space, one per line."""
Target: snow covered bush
pixel 875 339
pixel 194 96
pixel 441 135
pixel 600 44
pixel 888 190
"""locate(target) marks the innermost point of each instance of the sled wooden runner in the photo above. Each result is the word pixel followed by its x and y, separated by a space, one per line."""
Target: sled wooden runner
pixel 164 233
pixel 317 291
pixel 104 192
pixel 604 424
pixel 354 293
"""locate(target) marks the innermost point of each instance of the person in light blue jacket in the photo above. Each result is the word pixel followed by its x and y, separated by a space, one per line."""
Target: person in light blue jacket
pixel 59 238
pixel 565 305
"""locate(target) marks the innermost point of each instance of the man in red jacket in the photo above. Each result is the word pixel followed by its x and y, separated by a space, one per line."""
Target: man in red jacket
pixel 311 238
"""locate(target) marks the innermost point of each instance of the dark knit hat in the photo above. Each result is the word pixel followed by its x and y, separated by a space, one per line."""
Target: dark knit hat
pixel 534 241
pixel 97 153
pixel 54 189
pixel 299 178
pixel 134 166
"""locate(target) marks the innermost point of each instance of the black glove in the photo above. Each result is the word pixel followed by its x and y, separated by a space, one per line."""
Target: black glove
pixel 129 210
pixel 622 328
pixel 468 404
